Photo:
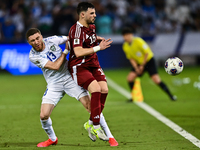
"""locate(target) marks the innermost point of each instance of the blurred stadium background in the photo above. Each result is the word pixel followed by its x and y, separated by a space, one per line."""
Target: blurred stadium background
pixel 171 28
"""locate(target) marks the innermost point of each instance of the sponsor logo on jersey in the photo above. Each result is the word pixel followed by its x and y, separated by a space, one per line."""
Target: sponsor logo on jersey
pixel 76 41
pixel 52 48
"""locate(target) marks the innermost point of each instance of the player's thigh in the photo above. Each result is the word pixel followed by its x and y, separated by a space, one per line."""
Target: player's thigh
pixel 104 86
pixel 53 95
pixel 74 90
pixel 101 79
pixel 82 76
pixel 98 74
pixel 46 110
pixel 151 67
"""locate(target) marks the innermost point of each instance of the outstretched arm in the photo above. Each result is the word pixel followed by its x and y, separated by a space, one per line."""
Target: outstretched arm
pixel 80 51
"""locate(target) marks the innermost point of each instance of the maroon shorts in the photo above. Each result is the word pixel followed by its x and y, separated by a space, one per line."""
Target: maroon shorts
pixel 83 76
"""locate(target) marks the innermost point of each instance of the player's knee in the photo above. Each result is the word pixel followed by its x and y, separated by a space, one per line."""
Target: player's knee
pixel 156 82
pixel 156 79
pixel 130 78
pixel 104 90
pixel 44 116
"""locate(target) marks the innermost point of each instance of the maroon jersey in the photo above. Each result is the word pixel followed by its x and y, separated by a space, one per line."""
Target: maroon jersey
pixel 85 37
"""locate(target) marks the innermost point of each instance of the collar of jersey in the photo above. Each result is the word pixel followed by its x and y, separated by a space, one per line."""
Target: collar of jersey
pixel 79 23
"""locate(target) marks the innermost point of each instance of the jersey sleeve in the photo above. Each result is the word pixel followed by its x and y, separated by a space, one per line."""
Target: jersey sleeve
pixel 57 39
pixel 76 37
pixel 38 60
pixel 124 47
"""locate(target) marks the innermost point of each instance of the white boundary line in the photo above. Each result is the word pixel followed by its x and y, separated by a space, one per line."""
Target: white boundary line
pixel 156 114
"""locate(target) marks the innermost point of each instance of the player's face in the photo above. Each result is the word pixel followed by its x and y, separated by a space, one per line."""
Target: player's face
pixel 128 37
pixel 90 16
pixel 36 41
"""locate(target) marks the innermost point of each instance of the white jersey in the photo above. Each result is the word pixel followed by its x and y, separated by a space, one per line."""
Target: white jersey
pixel 51 52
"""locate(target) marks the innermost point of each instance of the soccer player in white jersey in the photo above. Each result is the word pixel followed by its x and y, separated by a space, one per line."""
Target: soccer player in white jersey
pixel 47 55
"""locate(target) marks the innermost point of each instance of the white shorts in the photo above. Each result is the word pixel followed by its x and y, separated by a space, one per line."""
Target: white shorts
pixel 54 93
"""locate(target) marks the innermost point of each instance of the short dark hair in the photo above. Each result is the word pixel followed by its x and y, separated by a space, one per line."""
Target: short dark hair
pixel 32 31
pixel 83 6
pixel 126 30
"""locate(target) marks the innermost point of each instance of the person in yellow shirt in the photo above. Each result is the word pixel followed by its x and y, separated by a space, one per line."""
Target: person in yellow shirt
pixel 142 60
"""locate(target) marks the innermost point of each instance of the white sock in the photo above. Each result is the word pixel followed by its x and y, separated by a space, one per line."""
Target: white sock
pixel 96 126
pixel 105 126
pixel 90 122
pixel 47 126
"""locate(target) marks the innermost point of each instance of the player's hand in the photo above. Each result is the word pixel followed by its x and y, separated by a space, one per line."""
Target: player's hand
pixel 105 44
pixel 141 68
pixel 99 39
pixel 138 72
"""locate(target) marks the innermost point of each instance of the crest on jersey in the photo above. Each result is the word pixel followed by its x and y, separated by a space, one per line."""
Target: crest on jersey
pixel 52 48
pixel 139 54
pixel 76 41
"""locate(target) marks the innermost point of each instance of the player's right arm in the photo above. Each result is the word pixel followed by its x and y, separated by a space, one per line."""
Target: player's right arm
pixel 57 64
pixel 80 51
pixel 43 62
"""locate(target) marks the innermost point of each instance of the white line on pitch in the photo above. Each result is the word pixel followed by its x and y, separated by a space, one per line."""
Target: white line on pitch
pixel 156 114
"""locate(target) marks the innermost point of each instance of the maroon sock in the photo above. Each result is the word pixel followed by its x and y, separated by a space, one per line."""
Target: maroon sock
pixel 95 107
pixel 103 100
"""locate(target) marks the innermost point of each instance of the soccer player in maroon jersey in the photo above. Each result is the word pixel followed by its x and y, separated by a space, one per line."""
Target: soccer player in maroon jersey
pixel 84 65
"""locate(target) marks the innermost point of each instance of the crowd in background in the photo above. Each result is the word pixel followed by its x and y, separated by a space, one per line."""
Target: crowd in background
pixel 146 17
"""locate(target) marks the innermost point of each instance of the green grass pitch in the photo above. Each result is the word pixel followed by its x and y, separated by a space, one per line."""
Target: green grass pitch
pixel 20 128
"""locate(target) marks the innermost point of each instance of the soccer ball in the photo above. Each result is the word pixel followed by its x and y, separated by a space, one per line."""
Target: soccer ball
pixel 173 66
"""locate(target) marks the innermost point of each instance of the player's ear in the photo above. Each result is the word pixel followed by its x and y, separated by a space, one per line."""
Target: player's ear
pixel 82 14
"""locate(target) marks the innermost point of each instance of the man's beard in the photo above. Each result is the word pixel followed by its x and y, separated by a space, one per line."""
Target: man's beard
pixel 89 22
pixel 40 49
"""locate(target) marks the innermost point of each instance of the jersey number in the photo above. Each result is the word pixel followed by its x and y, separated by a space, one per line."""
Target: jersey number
pixel 92 38
pixel 51 56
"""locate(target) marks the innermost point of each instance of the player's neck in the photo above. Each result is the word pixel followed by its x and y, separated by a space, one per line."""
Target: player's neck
pixel 84 23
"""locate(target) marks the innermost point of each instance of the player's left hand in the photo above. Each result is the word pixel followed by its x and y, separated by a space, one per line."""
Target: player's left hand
pixel 99 39
pixel 105 44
